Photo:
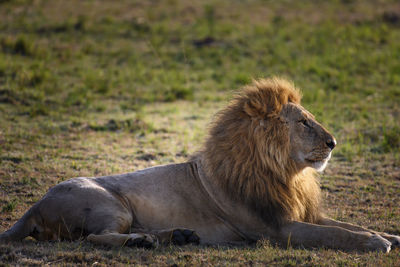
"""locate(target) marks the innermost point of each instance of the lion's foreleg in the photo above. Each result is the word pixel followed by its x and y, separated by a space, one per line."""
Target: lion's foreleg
pixel 348 226
pixel 130 240
pixel 148 239
pixel 395 240
pixel 313 235
pixel 177 236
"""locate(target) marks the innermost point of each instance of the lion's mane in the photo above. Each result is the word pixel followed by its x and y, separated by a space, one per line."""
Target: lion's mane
pixel 247 152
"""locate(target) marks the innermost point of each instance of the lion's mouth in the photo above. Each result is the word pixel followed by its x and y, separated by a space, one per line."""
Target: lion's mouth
pixel 318 159
pixel 314 160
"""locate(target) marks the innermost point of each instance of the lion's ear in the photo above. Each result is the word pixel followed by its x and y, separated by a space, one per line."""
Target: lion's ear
pixel 254 108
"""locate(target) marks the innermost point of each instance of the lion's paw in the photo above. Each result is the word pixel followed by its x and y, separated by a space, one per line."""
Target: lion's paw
pixel 184 236
pixel 142 241
pixel 394 239
pixel 378 243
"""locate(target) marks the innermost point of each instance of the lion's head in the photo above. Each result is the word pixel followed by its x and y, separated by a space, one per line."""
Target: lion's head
pixel 260 148
pixel 310 144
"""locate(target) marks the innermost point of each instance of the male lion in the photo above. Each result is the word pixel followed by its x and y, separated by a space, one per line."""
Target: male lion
pixel 254 178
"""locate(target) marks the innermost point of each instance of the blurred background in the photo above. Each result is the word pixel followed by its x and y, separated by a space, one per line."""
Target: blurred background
pixel 98 87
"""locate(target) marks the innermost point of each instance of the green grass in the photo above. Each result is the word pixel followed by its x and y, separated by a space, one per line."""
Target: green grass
pixel 99 87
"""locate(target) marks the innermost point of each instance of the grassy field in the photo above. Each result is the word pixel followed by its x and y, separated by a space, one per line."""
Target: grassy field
pixel 93 87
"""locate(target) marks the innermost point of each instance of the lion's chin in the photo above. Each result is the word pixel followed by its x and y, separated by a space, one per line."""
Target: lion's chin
pixel 320 165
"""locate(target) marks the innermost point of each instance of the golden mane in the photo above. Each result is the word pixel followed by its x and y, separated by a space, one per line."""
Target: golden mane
pixel 247 152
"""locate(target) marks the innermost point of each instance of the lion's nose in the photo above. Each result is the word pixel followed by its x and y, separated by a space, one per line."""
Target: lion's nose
pixel 331 143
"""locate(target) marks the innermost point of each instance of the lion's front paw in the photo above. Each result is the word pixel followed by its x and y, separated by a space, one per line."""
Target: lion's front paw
pixel 378 243
pixel 141 241
pixel 394 239
pixel 184 236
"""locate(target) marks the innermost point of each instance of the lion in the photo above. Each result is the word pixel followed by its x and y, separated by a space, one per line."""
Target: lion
pixel 254 178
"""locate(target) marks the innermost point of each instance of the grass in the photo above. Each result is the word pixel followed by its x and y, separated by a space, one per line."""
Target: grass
pixel 93 88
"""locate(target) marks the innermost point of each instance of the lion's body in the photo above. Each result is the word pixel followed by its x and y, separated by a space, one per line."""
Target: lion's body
pixel 253 178
pixel 157 198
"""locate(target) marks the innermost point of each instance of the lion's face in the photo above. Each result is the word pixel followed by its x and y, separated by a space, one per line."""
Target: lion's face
pixel 310 143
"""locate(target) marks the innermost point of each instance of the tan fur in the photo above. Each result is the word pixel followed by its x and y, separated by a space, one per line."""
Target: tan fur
pixel 254 178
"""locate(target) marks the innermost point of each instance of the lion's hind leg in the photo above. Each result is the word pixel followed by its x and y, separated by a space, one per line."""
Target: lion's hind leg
pixel 30 224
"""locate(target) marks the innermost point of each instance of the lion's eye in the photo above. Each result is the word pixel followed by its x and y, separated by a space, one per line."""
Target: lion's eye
pixel 305 123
